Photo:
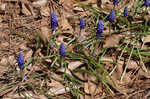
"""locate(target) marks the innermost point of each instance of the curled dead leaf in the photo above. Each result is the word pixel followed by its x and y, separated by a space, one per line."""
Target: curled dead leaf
pixel 28 55
pixel 146 39
pixel 112 40
pixel 45 34
pixel 39 3
pixel 4 61
pixel 64 24
pixel 74 65
pixel 57 88
pixel 45 11
pixel 25 10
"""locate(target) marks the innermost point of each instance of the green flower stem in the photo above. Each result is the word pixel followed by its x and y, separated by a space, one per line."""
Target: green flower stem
pixel 22 74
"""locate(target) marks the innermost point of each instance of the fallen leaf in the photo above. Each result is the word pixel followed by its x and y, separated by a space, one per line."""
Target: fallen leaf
pixel 86 88
pixel 11 60
pixel 92 87
pixel 2 6
pixel 4 61
pixel 29 94
pixel 79 76
pixel 45 11
pixel 87 97
pixel 143 74
pixel 66 27
pixel 112 40
pixel 28 55
pixel 4 44
pixel 39 3
pixel 57 88
pixel 25 10
pixel 45 34
pixel 74 65
pixel 146 39
pixel 132 65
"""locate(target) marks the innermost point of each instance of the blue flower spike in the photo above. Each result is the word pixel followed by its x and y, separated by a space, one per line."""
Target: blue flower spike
pixel 100 28
pixel 112 16
pixel 147 3
pixel 51 44
pixel 115 2
pixel 20 61
pixel 82 24
pixel 62 50
pixel 54 22
pixel 94 53
pixel 125 12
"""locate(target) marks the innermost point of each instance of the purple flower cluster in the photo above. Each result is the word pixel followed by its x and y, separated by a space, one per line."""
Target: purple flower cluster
pixel 20 61
pixel 115 2
pixel 62 50
pixel 100 28
pixel 54 22
pixel 125 11
pixel 147 3
pixel 82 24
pixel 112 16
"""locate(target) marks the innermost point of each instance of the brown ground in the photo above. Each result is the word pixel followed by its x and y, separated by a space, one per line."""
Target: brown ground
pixel 21 20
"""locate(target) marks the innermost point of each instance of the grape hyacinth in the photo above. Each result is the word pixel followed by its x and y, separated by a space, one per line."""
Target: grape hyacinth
pixel 100 28
pixel 20 61
pixel 94 53
pixel 51 43
pixel 82 24
pixel 54 22
pixel 147 3
pixel 115 2
pixel 62 50
pixel 126 11
pixel 111 16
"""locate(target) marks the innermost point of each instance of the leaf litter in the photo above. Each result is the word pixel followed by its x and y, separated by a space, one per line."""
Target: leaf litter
pixel 27 23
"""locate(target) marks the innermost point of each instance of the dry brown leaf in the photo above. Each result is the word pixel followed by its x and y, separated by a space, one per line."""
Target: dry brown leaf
pixel 25 10
pixel 86 88
pixel 112 40
pixel 4 44
pixel 81 96
pixel 132 65
pixel 127 78
pixel 143 74
pixel 62 69
pixel 57 88
pixel 92 87
pixel 89 88
pixel 92 78
pixel 23 46
pixel 78 9
pixel 107 59
pixel 146 39
pixel 2 6
pixel 29 94
pixel 64 24
pixel 28 55
pixel 11 60
pixel 74 65
pixel 1 19
pixel 80 76
pixel 87 97
pixel 39 3
pixel 89 2
pixel 4 61
pixel 67 5
pixel 45 34
pixel 45 11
